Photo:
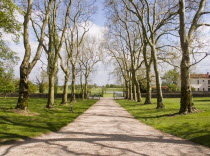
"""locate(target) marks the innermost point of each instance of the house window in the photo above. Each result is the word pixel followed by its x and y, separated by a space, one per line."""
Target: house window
pixel 198 89
pixel 208 81
pixel 209 89
pixel 198 81
pixel 203 89
pixel 203 80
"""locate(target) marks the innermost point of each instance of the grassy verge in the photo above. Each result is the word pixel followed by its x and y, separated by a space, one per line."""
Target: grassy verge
pixel 14 126
pixel 108 95
pixel 194 127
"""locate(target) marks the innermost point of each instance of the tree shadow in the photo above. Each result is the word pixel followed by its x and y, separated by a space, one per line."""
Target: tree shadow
pixel 158 116
pixel 202 100
pixel 99 139
pixel 203 140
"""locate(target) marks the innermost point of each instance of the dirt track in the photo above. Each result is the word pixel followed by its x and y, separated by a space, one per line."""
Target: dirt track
pixel 105 129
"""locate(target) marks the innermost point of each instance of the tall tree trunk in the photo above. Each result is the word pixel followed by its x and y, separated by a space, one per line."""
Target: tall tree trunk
pixel 82 93
pixel 127 90
pixel 73 98
pixel 86 87
pixel 130 91
pixel 157 77
pixel 134 91
pixel 137 88
pixel 186 105
pixel 24 68
pixel 149 90
pixel 138 91
pixel 23 89
pixel 50 102
pixel 65 90
pixel 81 86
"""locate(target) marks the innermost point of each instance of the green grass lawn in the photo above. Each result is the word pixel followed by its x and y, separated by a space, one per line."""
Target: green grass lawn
pixel 108 95
pixel 194 127
pixel 114 89
pixel 96 89
pixel 14 126
pixel 106 89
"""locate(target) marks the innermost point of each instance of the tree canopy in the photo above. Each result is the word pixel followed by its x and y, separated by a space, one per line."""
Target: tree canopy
pixel 8 21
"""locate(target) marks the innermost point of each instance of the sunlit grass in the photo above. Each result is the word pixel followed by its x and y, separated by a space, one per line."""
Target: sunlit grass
pixel 195 126
pixel 14 126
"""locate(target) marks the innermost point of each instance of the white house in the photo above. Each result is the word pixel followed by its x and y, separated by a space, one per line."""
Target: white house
pixel 201 82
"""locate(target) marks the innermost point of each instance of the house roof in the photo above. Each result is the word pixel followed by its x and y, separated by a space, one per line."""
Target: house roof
pixel 200 76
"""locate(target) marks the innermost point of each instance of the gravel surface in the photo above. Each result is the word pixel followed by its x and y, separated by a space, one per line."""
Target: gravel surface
pixel 106 129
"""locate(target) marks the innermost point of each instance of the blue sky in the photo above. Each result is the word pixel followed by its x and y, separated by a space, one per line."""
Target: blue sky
pixel 99 17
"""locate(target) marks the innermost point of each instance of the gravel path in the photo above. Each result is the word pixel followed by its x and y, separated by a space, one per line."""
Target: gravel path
pixel 105 129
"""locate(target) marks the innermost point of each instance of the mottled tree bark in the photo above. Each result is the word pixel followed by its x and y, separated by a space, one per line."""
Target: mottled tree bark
pixel 24 68
pixel 138 91
pixel 134 91
pixel 127 90
pixel 65 90
pixel 157 78
pixel 149 90
pixel 73 98
pixel 86 87
pixel 130 90
pixel 186 105
pixel 81 86
pixel 50 102
pixel 147 63
pixel 23 89
pixel 137 87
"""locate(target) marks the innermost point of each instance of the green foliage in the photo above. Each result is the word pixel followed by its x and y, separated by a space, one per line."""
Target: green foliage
pixel 7 56
pixel 7 84
pixel 171 80
pixel 32 87
pixel 195 126
pixel 9 24
pixel 173 88
pixel 42 81
pixel 16 126
pixel 43 87
pixel 8 21
pixel 114 86
pixel 193 89
pixel 171 77
pixel 142 82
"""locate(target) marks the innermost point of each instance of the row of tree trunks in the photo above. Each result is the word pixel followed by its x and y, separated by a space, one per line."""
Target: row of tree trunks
pixel 132 91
